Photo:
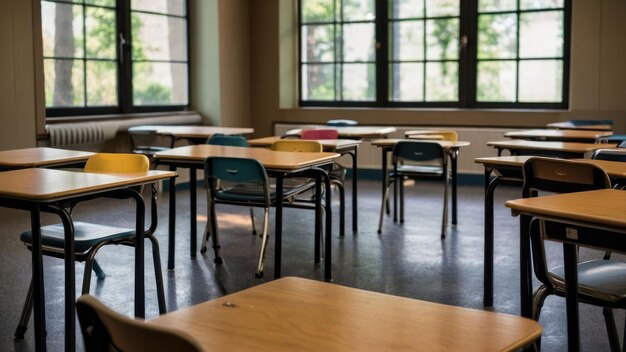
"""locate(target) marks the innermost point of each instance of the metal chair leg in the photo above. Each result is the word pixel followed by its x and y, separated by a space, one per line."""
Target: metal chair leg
pixel 252 221
pixel 87 275
pixel 401 186
pixel 264 235
pixel 22 326
pixel 382 207
pixel 444 220
pixel 214 234
pixel 98 270
pixel 342 207
pixel 611 330
pixel 158 274
pixel 207 232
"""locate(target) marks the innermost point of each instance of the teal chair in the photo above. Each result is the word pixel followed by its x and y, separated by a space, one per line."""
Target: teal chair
pixel 240 181
pixel 232 141
pixel 89 237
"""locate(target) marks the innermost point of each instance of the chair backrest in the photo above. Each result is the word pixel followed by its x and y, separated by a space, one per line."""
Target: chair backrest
pixel 226 171
pixel 562 176
pixel 341 122
pixel 591 122
pixel 117 163
pixel 420 151
pixel 622 144
pixel 232 141
pixel 610 154
pixel 297 145
pixel 319 134
pixel 105 330
pixel 447 135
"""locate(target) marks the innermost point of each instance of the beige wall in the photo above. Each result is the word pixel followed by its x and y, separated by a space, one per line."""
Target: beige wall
pixel 598 75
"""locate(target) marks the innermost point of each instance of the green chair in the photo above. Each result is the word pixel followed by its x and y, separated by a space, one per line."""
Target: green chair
pixel 89 237
pixel 232 141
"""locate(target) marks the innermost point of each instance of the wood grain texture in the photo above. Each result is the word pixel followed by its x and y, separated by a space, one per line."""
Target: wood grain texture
pixel 41 157
pixel 612 168
pixel 268 158
pixel 559 135
pixel 445 144
pixel 570 126
pixel 602 207
pixel 294 314
pixel 51 184
pixel 328 144
pixel 518 144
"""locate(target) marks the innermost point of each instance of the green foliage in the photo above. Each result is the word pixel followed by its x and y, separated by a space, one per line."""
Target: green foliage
pixel 152 94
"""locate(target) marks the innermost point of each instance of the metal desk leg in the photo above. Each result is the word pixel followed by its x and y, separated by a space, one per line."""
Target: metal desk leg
pixel 453 158
pixel 171 244
pixel 329 230
pixel 490 187
pixel 193 210
pixel 355 218
pixel 279 227
pixel 570 258
pixel 318 218
pixel 525 268
pixel 140 295
pixel 70 278
pixel 384 178
pixel 37 263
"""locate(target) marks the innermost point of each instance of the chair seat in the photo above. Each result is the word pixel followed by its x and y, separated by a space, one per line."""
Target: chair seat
pixel 254 193
pixel 603 279
pixel 420 170
pixel 86 235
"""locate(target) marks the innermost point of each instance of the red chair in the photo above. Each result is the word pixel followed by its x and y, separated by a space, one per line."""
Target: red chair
pixel 319 134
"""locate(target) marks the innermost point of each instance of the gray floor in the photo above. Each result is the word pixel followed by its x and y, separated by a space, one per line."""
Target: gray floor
pixel 408 260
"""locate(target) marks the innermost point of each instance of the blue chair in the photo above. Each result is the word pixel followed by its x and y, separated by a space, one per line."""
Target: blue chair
pixel 341 122
pixel 240 181
pixel 616 138
pixel 622 145
pixel 591 122
pixel 89 238
pixel 417 159
pixel 232 141
pixel 610 154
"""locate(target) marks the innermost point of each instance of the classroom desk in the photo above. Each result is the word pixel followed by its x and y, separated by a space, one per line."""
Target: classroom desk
pixel 295 314
pixel 452 148
pixel 567 125
pixel 46 190
pixel 41 157
pixel 582 136
pixel 351 132
pixel 509 169
pixel 196 134
pixel 341 146
pixel 277 164
pixel 557 149
pixel 602 210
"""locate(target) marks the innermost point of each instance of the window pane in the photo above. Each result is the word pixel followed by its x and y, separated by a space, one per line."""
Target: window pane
pixel 157 37
pixel 358 42
pixel 496 5
pixel 62 29
pixel 318 11
pixel 406 9
pixel 318 82
pixel 541 34
pixel 358 10
pixel 172 7
pixel 497 36
pixel 407 40
pixel 108 3
pixel 406 82
pixel 540 81
pixel 101 33
pixel 318 44
pixel 64 83
pixel 496 81
pixel 442 81
pixel 436 8
pixel 442 39
pixel 359 82
pixel 159 83
pixel 101 83
pixel 540 4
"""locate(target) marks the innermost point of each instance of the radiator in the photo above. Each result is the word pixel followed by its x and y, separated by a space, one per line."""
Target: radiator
pixel 370 156
pixel 74 134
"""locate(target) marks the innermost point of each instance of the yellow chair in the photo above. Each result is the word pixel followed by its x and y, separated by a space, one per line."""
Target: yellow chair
pixel 297 145
pixel 105 330
pixel 89 237
pixel 445 135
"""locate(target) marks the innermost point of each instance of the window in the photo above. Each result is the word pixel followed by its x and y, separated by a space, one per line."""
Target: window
pixel 438 53
pixel 114 56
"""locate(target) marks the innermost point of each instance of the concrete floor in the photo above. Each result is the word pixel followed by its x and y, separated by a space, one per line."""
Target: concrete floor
pixel 407 260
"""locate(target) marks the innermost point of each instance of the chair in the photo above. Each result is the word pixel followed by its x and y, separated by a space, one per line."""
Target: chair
pixel 291 145
pixel 446 135
pixel 417 159
pixel 105 330
pixel 341 122
pixel 612 155
pixel 143 141
pixel 240 181
pixel 590 122
pixel 622 145
pixel 319 134
pixel 89 237
pixel 232 141
pixel 601 282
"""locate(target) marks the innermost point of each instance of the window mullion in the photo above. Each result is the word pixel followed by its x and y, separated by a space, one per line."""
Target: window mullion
pixel 382 52
pixel 124 49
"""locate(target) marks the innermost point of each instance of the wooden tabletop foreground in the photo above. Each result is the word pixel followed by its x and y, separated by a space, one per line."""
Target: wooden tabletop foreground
pixel 294 314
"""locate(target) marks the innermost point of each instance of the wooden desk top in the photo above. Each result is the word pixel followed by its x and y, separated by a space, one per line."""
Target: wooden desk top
pixel 519 144
pixel 40 157
pixel 352 131
pixel 191 131
pixel 570 126
pixel 50 184
pixel 559 135
pixel 270 159
pixel 606 207
pixel 330 144
pixel 294 314
pixel 612 168
pixel 445 144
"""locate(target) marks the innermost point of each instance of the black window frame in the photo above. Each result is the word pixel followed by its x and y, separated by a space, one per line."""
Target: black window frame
pixel 468 65
pixel 124 67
